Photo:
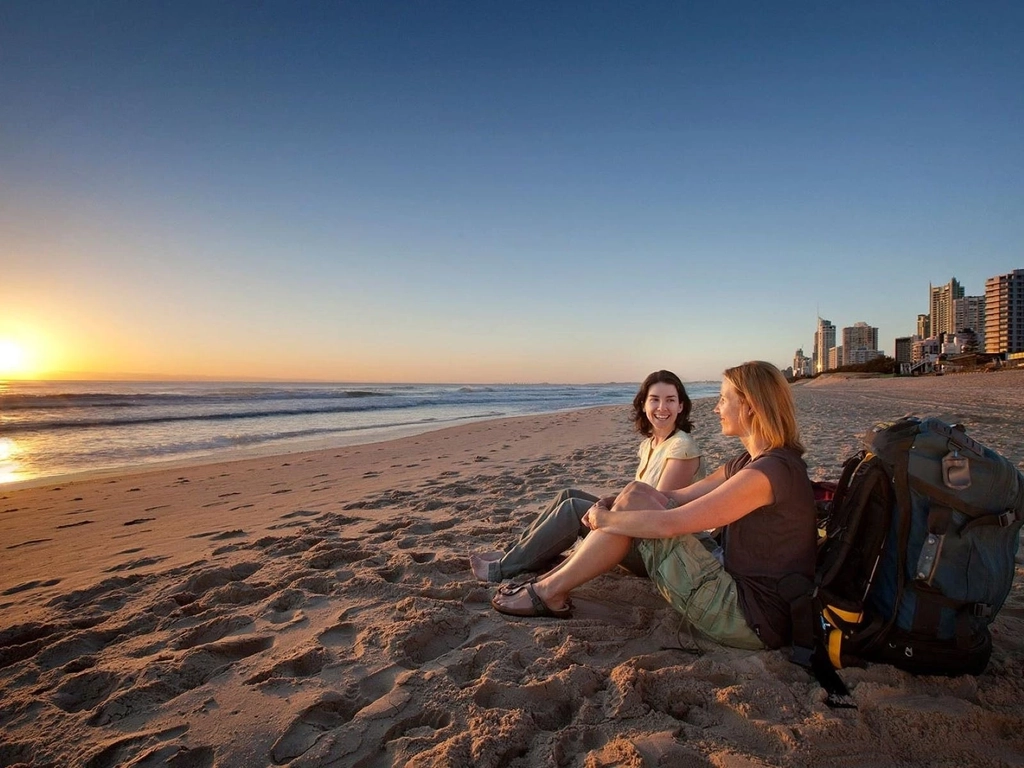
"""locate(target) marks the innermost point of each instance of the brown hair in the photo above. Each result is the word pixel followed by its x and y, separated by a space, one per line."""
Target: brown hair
pixel 643 424
pixel 763 387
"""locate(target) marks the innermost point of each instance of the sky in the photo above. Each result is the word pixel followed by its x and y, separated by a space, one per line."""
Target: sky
pixel 493 192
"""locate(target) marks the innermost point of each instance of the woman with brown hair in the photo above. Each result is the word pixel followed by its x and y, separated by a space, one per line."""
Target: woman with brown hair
pixel 668 459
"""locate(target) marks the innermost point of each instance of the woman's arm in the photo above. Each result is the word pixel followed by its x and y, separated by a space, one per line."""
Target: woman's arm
pixel 700 488
pixel 678 473
pixel 725 503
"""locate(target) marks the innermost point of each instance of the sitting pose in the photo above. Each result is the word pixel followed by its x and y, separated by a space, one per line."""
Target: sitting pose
pixel 669 459
pixel 762 499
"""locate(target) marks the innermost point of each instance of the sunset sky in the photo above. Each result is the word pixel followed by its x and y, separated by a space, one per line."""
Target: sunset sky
pixel 493 192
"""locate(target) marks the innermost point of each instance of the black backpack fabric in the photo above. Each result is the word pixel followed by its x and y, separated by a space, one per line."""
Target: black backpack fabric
pixel 916 556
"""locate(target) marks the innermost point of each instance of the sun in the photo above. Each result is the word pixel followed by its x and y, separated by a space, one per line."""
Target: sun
pixel 12 359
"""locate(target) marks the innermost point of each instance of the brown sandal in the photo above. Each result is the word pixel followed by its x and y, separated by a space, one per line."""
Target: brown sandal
pixel 537 606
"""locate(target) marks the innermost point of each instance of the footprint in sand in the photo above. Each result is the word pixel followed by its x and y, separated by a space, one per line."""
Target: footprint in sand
pixel 210 631
pixel 374 692
pixel 26 640
pixel 285 607
pixel 218 577
pixel 304 664
pixel 317 720
pixel 325 556
pixel 124 751
pixel 109 595
pixel 341 634
pixel 427 638
pixel 551 703
pixel 85 690
pixel 432 719
pixel 163 681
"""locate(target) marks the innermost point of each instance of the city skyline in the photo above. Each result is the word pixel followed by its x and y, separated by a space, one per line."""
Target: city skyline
pixel 467 193
pixel 953 312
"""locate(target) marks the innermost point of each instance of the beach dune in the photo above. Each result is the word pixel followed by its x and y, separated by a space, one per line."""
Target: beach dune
pixel 317 609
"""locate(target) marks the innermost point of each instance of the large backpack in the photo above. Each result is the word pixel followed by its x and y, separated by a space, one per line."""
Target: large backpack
pixel 916 557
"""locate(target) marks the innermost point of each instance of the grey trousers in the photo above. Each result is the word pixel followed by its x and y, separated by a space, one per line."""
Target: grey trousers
pixel 551 533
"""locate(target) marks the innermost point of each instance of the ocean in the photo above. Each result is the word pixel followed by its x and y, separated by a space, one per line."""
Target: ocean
pixel 52 429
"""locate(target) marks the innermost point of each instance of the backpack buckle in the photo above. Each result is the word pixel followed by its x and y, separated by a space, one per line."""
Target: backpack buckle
pixel 929 557
pixel 982 610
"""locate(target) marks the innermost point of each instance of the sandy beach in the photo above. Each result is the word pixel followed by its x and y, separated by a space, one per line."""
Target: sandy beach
pixel 317 609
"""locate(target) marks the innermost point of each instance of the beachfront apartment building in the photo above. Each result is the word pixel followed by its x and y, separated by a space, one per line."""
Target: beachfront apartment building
pixel 940 306
pixel 904 349
pixel 860 344
pixel 969 315
pixel 1004 313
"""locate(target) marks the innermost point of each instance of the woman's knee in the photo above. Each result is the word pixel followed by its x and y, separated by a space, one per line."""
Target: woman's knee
pixel 568 493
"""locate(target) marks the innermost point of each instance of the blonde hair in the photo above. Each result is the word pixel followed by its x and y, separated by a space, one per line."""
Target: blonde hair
pixel 763 387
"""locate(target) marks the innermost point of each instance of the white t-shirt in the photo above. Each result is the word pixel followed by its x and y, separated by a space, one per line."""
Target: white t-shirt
pixel 680 445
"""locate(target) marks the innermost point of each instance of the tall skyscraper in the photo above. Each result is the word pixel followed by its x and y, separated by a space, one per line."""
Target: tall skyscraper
pixel 1004 313
pixel 801 363
pixel 940 306
pixel 824 341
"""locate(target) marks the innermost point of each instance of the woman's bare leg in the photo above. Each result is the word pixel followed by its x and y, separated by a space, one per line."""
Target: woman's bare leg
pixel 598 553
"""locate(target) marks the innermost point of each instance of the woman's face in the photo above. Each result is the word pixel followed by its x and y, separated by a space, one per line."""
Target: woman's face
pixel 732 411
pixel 661 407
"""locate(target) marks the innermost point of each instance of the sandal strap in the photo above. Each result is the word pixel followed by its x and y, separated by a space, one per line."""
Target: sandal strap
pixel 539 606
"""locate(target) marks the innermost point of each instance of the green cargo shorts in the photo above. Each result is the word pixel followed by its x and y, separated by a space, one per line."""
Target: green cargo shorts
pixel 698 587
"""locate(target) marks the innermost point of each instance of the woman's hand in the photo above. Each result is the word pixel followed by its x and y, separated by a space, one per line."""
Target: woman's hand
pixel 591 518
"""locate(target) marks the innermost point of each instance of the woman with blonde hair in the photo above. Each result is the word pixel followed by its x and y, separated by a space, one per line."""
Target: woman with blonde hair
pixel 761 500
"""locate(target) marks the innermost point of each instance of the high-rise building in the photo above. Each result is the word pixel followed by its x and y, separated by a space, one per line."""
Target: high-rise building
pixel 924 326
pixel 969 314
pixel 903 349
pixel 1004 313
pixel 801 364
pixel 824 341
pixel 859 339
pixel 940 306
